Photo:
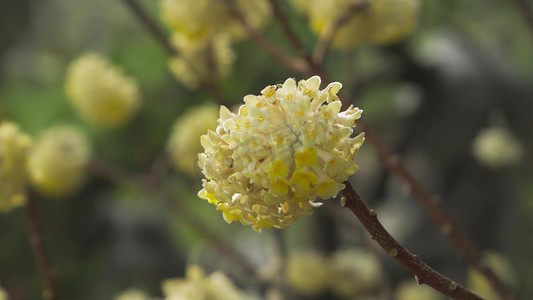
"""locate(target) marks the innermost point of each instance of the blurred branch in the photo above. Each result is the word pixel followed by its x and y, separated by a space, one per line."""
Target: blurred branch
pixel 424 274
pixel 439 215
pixel 525 9
pixel 152 27
pixel 326 39
pixel 287 30
pixel 294 63
pixel 37 243
pixel 116 174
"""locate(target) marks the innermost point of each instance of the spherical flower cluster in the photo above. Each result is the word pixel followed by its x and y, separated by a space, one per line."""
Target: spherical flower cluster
pixel 184 142
pixel 266 165
pixel 307 273
pixel 348 274
pixel 197 62
pixel 100 93
pixel 410 290
pixel 202 32
pixel 197 286
pixel 14 149
pixel 495 147
pixel 480 285
pixel 383 22
pixel 58 160
pixel 3 294
pixel 200 20
pixel 133 294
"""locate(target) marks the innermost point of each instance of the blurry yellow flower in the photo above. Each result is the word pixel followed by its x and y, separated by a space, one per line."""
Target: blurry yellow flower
pixel 197 286
pixel 384 21
pixel 100 93
pixel 14 149
pixel 495 147
pixel 133 294
pixel 184 141
pixel 479 284
pixel 353 272
pixel 200 62
pixel 307 273
pixel 3 294
pixel 266 165
pixel 199 20
pixel 58 160
pixel 410 290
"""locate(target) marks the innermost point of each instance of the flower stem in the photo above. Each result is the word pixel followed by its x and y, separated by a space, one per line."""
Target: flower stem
pixel 37 243
pixel 424 274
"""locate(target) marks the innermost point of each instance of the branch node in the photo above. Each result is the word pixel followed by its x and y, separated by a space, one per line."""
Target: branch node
pixel 452 286
pixel 394 252
pixel 372 213
pixel 343 201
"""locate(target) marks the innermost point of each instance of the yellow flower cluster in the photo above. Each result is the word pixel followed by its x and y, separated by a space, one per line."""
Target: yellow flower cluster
pixel 480 285
pixel 133 294
pixel 495 147
pixel 200 20
pixel 266 165
pixel 202 32
pixel 14 149
pixel 210 59
pixel 57 161
pixel 348 274
pixel 184 142
pixel 100 93
pixel 197 286
pixel 409 290
pixel 383 22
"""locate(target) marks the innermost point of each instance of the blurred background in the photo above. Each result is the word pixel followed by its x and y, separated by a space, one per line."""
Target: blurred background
pixel 466 69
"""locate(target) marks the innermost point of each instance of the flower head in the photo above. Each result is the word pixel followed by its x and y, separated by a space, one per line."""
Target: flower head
pixel 133 294
pixel 14 148
pixel 307 273
pixel 267 164
pixel 200 61
pixel 197 286
pixel 184 141
pixel 200 20
pixel 495 147
pixel 100 93
pixel 382 22
pixel 58 160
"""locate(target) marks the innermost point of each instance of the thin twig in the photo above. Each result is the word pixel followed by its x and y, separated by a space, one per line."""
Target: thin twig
pixel 424 274
pixel 37 243
pixel 525 9
pixel 116 174
pixel 294 63
pixel 326 38
pixel 291 36
pixel 154 29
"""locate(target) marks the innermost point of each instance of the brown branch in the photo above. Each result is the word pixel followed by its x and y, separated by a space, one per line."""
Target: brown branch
pixel 291 36
pixel 116 174
pixel 37 243
pixel 424 274
pixel 525 9
pixel 326 38
pixel 294 63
